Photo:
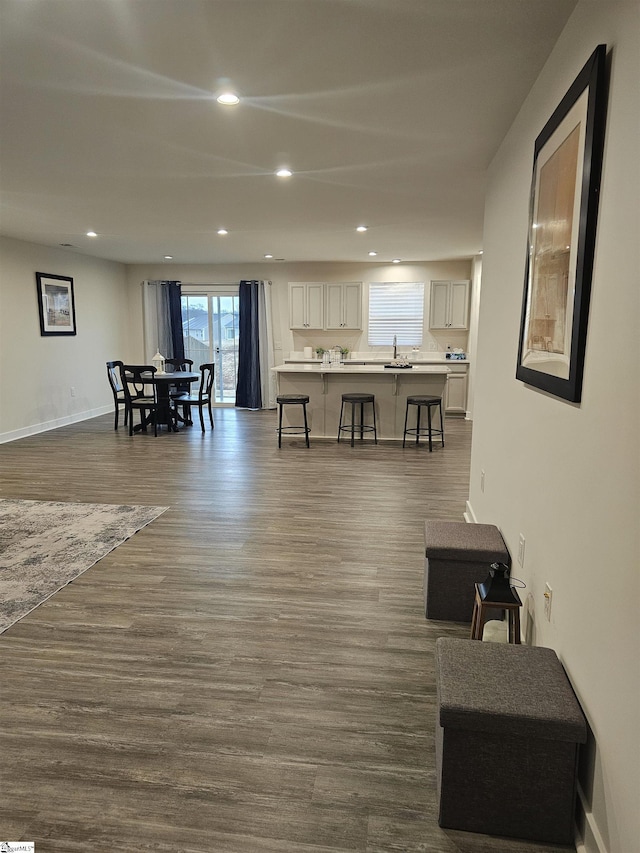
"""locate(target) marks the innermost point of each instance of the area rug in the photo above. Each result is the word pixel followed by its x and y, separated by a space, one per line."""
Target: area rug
pixel 45 545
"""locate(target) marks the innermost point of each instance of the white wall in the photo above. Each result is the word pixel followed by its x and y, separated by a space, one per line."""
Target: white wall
pixel 282 273
pixel 567 476
pixel 37 373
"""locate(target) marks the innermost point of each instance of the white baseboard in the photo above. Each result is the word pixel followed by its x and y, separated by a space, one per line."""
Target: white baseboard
pixel 34 429
pixel 469 514
pixel 592 842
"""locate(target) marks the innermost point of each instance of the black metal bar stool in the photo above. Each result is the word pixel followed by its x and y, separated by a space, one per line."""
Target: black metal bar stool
pixel 293 399
pixel 430 430
pixel 358 399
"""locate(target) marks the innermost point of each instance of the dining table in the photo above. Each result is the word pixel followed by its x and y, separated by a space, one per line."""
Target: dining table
pixel 164 383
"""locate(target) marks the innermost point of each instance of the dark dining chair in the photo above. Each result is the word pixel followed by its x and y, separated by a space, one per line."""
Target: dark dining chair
pixel 113 374
pixel 140 393
pixel 201 399
pixel 179 365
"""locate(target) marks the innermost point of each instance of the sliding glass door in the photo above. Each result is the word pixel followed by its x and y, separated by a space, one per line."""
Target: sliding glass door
pixel 210 331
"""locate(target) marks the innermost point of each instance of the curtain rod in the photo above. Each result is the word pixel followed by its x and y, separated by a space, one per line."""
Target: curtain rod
pixel 202 284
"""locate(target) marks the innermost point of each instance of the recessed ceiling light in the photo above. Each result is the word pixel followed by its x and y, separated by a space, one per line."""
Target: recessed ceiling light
pixel 284 173
pixel 396 260
pixel 372 254
pixel 229 99
pixel 361 228
pixel 268 256
pixel 168 257
pixel 222 231
pixel 91 234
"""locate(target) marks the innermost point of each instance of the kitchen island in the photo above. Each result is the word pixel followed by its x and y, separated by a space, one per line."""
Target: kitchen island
pixel 391 386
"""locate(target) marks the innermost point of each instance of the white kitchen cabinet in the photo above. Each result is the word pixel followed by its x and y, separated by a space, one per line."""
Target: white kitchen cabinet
pixel 343 305
pixel 455 401
pixel 449 305
pixel 306 305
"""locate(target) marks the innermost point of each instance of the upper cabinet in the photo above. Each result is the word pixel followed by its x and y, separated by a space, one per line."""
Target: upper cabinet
pixel 315 305
pixel 449 306
pixel 343 305
pixel 306 305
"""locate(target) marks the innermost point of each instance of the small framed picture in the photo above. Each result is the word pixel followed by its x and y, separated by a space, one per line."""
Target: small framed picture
pixel 56 304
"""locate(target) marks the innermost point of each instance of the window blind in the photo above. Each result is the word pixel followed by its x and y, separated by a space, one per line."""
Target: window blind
pixel 396 308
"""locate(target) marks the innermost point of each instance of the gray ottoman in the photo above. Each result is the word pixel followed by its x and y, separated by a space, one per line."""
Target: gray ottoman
pixel 457 556
pixel 507 732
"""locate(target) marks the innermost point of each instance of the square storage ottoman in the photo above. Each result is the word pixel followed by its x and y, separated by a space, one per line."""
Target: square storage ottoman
pixel 508 729
pixel 457 556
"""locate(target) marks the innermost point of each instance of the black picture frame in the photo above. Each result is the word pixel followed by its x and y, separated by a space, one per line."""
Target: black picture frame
pixel 56 304
pixel 565 187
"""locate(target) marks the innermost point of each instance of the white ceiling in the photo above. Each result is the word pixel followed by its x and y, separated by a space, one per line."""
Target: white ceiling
pixel 388 112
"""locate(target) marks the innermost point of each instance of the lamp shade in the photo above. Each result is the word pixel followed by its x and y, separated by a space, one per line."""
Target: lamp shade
pixel 497 588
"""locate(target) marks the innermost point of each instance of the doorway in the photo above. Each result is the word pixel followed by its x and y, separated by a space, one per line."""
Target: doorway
pixel 210 333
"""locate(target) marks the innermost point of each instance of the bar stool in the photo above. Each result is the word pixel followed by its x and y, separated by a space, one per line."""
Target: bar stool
pixel 430 430
pixel 358 399
pixel 293 399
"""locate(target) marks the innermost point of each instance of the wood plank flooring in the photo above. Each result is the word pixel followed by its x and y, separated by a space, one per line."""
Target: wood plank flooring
pixel 252 672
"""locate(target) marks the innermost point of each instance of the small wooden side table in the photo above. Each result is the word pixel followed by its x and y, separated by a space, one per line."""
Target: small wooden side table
pixel 479 617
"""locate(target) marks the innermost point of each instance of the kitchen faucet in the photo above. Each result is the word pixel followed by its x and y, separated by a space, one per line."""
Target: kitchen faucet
pixel 395 347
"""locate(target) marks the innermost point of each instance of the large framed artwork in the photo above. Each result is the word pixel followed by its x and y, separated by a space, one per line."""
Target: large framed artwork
pixel 565 186
pixel 56 304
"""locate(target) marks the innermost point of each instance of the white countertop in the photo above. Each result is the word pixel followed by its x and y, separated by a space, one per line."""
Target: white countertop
pixel 380 360
pixel 317 367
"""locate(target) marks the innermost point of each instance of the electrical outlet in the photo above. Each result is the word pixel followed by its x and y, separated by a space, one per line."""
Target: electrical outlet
pixel 432 347
pixel 277 345
pixel 73 391
pixel 548 596
pixel 482 480
pixel 521 550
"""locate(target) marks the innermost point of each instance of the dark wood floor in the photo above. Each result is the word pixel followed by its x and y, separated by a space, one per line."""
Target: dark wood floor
pixel 250 672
